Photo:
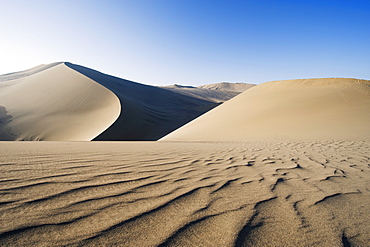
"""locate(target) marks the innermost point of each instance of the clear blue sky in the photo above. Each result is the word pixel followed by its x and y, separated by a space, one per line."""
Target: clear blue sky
pixel 191 42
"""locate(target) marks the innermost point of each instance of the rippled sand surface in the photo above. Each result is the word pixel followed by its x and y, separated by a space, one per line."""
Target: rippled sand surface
pixel 310 193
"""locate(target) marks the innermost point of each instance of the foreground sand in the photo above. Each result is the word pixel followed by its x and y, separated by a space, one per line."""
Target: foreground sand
pixel 185 194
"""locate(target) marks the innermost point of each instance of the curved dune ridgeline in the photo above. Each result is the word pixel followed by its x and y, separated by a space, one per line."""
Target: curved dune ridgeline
pixel 148 112
pixel 54 102
pixel 68 102
pixel 332 108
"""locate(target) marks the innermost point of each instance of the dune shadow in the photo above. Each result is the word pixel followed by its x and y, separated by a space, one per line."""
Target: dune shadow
pixel 5 132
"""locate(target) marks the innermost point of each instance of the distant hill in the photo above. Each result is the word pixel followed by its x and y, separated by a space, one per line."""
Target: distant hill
pixel 226 86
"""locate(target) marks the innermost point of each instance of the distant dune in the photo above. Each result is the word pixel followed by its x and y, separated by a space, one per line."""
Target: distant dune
pixel 226 86
pixel 68 102
pixel 332 108
pixel 219 92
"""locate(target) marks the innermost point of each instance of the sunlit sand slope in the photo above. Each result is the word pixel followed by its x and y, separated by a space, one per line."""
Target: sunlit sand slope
pixel 332 108
pixel 313 193
pixel 54 102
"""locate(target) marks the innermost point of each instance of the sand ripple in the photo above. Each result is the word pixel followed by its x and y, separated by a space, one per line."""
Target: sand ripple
pixel 185 194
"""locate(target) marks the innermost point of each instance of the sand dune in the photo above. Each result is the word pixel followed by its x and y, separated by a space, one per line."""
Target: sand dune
pixel 313 193
pixel 332 108
pixel 226 86
pixel 292 167
pixel 202 93
pixel 218 92
pixel 53 102
pixel 148 112
pixel 64 101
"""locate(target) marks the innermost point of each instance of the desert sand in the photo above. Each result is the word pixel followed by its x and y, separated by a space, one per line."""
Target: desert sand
pixel 68 102
pixel 316 109
pixel 278 193
pixel 285 163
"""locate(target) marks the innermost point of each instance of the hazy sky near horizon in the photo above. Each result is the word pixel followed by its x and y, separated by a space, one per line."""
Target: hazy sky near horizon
pixel 190 42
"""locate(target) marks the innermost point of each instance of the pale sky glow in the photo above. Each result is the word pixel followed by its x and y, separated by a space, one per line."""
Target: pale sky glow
pixel 190 42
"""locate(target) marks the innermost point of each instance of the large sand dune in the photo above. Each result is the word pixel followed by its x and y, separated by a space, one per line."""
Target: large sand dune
pixel 148 112
pixel 332 108
pixel 68 102
pixel 53 102
pixel 313 193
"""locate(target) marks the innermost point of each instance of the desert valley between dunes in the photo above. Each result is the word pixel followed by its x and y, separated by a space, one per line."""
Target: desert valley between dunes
pixel 282 163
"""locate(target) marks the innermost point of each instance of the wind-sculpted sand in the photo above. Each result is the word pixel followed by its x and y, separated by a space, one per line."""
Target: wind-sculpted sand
pixel 267 193
pixel 68 102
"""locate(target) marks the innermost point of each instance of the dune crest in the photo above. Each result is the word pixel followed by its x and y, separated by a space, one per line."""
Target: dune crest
pixel 69 102
pixel 148 112
pixel 332 108
pixel 54 102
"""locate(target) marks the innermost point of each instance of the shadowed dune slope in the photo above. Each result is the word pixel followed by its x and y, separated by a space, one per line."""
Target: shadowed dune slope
pixel 54 102
pixel 148 112
pixel 332 108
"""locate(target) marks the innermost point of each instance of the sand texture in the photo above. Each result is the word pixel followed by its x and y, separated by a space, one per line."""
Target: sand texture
pixel 332 108
pixel 287 193
pixel 68 102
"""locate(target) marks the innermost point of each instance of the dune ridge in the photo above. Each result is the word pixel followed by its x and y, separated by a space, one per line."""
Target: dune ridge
pixel 58 102
pixel 53 102
pixel 148 112
pixel 261 193
pixel 331 108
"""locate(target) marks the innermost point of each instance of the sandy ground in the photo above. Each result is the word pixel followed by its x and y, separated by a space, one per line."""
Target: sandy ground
pixel 267 193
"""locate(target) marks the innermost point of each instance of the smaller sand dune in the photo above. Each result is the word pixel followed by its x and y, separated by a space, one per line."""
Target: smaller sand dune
pixel 332 108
